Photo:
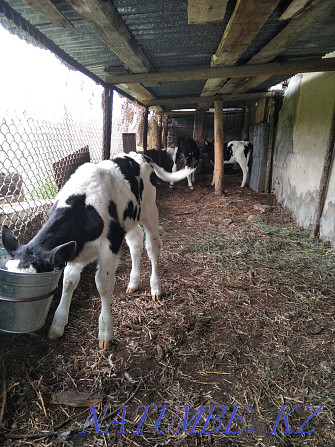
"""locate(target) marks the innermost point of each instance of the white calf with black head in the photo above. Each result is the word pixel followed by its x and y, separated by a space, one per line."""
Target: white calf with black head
pixel 97 208
pixel 233 152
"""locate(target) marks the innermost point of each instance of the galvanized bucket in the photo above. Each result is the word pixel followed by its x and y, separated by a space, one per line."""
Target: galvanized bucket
pixel 25 298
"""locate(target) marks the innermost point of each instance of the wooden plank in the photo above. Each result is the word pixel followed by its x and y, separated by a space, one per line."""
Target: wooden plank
pixel 218 147
pixel 252 83
pixel 248 18
pixel 137 91
pixel 104 19
pixel 294 31
pixel 145 129
pixel 238 35
pixel 201 12
pixel 325 177
pixel 246 124
pixel 107 122
pixel 198 125
pixel 50 12
pixel 260 109
pixel 283 40
pixel 182 101
pixel 296 8
pixel 236 71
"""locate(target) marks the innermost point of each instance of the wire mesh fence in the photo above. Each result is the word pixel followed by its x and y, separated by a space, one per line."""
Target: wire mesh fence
pixel 44 140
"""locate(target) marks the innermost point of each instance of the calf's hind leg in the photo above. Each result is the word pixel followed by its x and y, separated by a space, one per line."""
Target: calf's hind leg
pixel 153 245
pixel 134 239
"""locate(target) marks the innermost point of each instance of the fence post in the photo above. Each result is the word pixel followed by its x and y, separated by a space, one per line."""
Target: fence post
pixel 218 146
pixel 145 129
pixel 107 122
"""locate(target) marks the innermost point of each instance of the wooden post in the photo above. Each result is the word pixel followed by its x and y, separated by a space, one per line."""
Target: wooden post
pixel 145 129
pixel 198 126
pixel 166 129
pixel 271 119
pixel 107 122
pixel 327 167
pixel 218 146
pixel 160 129
pixel 246 126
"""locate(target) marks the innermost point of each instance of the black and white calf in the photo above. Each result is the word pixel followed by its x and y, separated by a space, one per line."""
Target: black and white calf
pixel 234 152
pixel 187 150
pixel 99 206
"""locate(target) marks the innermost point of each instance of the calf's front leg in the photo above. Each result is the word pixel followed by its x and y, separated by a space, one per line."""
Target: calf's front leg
pixel 70 282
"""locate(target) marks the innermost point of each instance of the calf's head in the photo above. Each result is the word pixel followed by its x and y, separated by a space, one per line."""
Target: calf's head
pixel 33 258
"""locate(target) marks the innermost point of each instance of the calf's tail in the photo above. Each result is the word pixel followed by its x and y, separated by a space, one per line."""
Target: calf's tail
pixel 171 176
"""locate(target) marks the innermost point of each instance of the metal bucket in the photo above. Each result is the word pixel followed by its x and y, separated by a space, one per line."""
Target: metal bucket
pixel 25 298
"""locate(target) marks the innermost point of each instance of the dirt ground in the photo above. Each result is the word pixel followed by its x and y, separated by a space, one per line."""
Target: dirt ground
pixel 246 318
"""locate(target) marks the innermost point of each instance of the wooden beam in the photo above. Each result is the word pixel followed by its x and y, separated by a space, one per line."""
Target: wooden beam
pixel 236 71
pixel 283 40
pixel 296 8
pixel 237 37
pixel 104 19
pixel 145 129
pixel 198 125
pixel 246 125
pixel 201 12
pixel 50 12
pixel 294 31
pixel 182 101
pixel 247 20
pixel 271 121
pixel 218 147
pixel 107 122
pixel 325 177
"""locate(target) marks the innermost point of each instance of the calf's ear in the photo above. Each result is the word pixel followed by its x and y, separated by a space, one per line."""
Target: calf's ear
pixel 9 240
pixel 60 255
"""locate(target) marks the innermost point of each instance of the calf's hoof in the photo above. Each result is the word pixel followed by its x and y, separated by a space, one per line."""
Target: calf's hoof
pixel 156 297
pixel 53 336
pixel 103 344
pixel 130 291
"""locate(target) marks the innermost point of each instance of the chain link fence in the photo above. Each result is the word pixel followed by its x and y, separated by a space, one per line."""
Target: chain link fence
pixel 42 145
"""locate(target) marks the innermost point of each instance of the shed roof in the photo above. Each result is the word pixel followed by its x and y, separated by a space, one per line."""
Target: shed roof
pixel 177 53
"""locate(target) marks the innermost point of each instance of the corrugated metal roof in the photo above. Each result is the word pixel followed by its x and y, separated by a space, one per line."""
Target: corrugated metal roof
pixel 161 28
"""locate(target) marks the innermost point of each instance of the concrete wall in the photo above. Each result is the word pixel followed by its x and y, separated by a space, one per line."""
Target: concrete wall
pixel 300 145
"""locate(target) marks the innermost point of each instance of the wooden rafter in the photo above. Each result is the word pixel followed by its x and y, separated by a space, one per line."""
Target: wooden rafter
pixel 238 35
pixel 201 12
pixel 293 31
pixel 241 31
pixel 236 71
pixel 296 8
pixel 50 11
pixel 104 19
pixel 181 101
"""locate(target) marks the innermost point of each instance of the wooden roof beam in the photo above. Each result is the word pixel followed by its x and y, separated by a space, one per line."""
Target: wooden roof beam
pixel 293 31
pixel 238 35
pixel 104 19
pixel 106 22
pixel 201 12
pixel 50 12
pixel 178 102
pixel 296 8
pixel 236 71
